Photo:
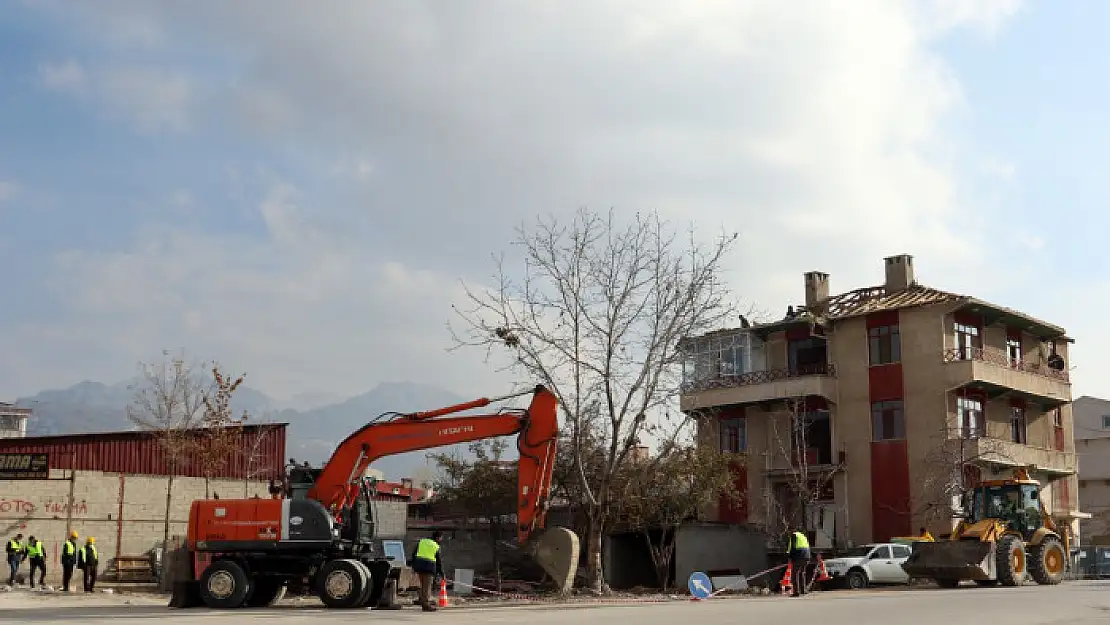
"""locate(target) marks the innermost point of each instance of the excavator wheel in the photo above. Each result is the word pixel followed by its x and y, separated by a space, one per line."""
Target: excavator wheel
pixel 341 583
pixel 1010 560
pixel 1047 561
pixel 224 585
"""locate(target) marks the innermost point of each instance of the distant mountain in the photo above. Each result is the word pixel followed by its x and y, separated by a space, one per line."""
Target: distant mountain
pixel 313 432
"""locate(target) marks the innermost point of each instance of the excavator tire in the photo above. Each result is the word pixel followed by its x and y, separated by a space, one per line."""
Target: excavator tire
pixel 267 591
pixel 224 585
pixel 367 588
pixel 341 584
pixel 1047 561
pixel 1010 560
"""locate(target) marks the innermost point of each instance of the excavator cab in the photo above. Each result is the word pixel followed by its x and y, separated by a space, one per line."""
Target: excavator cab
pixel 1004 535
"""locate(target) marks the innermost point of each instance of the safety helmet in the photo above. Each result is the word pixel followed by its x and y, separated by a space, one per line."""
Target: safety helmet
pixel 73 534
pixel 91 540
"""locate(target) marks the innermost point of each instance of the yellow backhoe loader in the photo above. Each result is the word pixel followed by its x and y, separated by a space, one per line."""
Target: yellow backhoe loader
pixel 1005 534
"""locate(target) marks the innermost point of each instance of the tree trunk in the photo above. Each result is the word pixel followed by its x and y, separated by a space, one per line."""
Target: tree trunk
pixel 495 534
pixel 594 573
pixel 169 507
pixel 661 556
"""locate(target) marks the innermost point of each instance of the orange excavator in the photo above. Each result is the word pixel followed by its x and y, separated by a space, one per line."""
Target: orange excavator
pixel 317 530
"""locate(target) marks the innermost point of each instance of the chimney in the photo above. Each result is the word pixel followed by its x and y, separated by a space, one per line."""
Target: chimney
pixel 406 483
pixel 899 272
pixel 817 289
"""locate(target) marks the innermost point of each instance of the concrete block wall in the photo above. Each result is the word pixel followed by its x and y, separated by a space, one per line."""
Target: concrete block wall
pixel 125 513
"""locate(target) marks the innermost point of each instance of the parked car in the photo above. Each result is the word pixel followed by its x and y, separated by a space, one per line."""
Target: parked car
pixel 866 565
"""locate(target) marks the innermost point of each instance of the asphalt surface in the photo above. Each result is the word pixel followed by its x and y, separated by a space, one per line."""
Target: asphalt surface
pixel 1072 602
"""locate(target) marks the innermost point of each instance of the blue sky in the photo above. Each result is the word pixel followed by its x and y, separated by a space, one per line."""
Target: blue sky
pixel 297 192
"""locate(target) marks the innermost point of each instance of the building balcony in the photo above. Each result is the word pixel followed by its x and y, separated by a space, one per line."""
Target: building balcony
pixel 1001 452
pixel 995 371
pixel 760 386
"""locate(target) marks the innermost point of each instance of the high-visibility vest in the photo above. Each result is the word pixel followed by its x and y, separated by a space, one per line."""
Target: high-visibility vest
pixel 14 546
pixel 86 551
pixel 35 550
pixel 800 541
pixel 427 549
pixel 69 548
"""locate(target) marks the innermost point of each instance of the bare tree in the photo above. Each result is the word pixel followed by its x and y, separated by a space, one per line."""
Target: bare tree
pixel 597 316
pixel 952 467
pixel 168 402
pixel 678 484
pixel 222 436
pixel 252 455
pixel 807 472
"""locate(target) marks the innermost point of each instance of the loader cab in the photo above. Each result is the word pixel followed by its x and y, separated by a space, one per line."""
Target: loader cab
pixel 1017 504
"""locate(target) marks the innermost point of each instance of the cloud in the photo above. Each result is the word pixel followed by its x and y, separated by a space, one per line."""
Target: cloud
pixel 150 98
pixel 820 131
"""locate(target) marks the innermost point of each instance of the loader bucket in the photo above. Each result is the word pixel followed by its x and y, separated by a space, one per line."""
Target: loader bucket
pixel 186 595
pixel 556 551
pixel 952 560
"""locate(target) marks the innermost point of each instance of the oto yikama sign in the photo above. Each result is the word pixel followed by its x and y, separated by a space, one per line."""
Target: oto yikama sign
pixel 24 466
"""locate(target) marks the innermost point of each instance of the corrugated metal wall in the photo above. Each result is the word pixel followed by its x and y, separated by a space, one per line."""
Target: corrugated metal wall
pixel 261 455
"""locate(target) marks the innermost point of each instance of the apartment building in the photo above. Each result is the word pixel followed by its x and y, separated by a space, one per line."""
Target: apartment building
pixel 865 414
pixel 13 420
pixel 1092 445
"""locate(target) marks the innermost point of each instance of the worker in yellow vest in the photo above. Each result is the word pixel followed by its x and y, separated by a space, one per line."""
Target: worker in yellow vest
pixel 427 564
pixel 69 559
pixel 799 556
pixel 36 553
pixel 87 561
pixel 16 554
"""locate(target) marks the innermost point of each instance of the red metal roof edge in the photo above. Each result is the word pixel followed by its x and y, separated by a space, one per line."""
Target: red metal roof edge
pixel 30 440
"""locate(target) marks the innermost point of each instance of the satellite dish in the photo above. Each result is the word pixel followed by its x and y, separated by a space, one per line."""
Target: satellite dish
pixel 1056 362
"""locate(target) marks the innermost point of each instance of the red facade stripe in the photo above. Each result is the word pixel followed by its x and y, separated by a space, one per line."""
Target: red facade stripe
pixel 884 318
pixel 891 509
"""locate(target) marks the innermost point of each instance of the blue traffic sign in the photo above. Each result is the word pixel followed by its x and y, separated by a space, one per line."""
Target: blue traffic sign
pixel 700 585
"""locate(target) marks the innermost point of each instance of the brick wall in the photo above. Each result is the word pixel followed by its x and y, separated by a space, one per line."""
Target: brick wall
pixel 126 514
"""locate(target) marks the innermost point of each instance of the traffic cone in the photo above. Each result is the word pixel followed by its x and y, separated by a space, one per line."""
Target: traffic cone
pixel 442 593
pixel 786 586
pixel 822 572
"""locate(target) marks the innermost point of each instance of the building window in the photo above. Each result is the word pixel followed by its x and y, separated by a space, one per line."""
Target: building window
pixel 888 421
pixel 708 358
pixel 1013 350
pixel 969 417
pixel 734 435
pixel 885 345
pixel 1106 421
pixel 1058 419
pixel 968 341
pixel 1019 432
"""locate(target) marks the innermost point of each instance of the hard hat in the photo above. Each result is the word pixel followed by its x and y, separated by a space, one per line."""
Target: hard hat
pixel 91 539
pixel 73 534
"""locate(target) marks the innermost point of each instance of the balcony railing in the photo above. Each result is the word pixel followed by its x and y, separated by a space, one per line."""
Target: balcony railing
pixel 1002 359
pixel 759 377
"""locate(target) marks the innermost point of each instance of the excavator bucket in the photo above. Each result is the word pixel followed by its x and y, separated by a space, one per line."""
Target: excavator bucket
pixel 556 551
pixel 951 560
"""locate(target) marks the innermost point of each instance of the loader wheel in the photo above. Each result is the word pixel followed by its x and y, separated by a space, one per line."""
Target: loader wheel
pixel 267 591
pixel 224 585
pixel 1047 561
pixel 340 584
pixel 1010 560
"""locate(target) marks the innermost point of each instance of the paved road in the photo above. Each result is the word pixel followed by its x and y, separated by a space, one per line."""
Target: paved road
pixel 1071 603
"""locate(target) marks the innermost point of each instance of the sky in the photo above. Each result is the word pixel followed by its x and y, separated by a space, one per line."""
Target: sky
pixel 299 192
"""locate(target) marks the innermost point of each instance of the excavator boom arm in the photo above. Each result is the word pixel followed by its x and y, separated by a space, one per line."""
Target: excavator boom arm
pixel 537 429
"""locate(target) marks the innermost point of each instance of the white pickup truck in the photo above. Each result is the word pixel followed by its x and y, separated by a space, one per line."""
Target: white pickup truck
pixel 865 565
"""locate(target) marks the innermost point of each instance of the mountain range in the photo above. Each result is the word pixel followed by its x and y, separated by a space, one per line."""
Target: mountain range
pixel 317 421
